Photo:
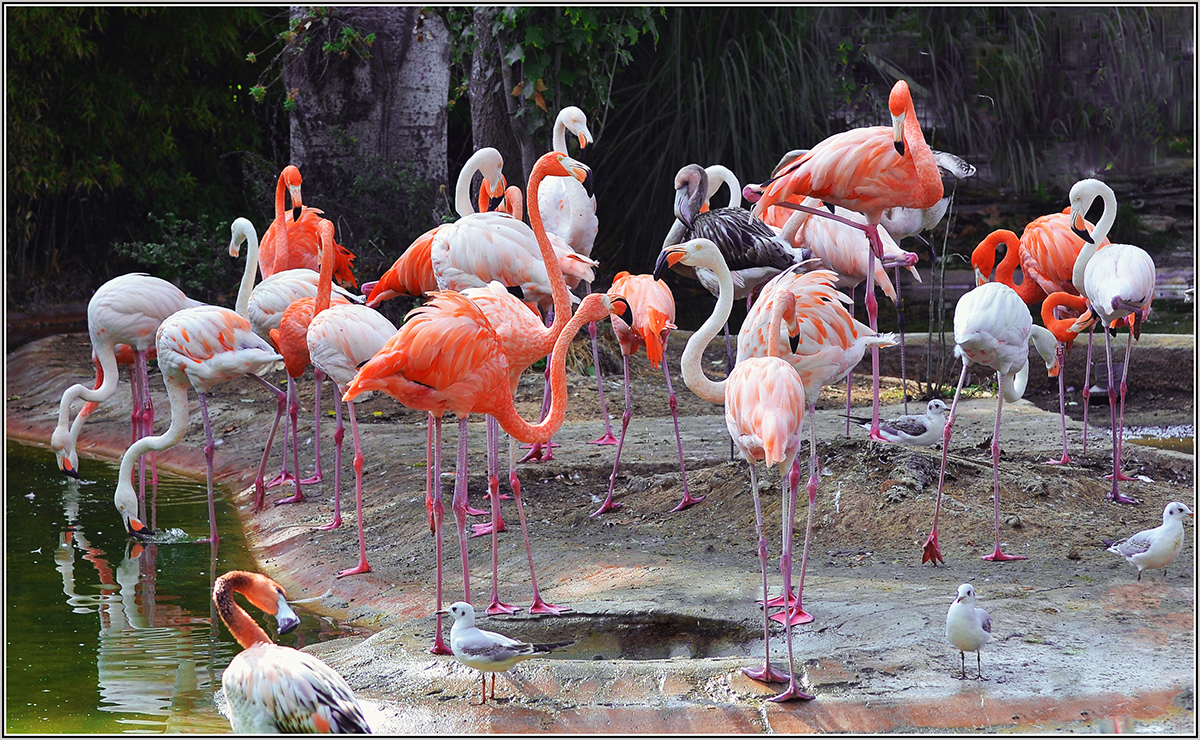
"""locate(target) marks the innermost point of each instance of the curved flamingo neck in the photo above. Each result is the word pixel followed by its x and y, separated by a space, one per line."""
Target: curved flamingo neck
pixel 282 246
pixel 244 629
pixel 462 189
pixel 784 303
pixel 985 255
pixel 326 259
pixel 558 286
pixel 558 139
pixel 178 397
pixel 506 413
pixel 928 175
pixel 250 273
pixel 1061 328
pixel 1099 232
pixel 690 365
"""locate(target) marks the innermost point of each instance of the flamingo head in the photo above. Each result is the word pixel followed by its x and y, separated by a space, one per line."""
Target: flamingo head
pixel 699 252
pixel 691 187
pixel 241 230
pixel 899 103
pixel 126 502
pixel 557 164
pixel 983 259
pixel 576 122
pixel 264 594
pixel 291 178
pixel 1083 193
pixel 64 452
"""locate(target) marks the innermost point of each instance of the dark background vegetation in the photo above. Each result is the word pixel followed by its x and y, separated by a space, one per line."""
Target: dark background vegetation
pixel 133 141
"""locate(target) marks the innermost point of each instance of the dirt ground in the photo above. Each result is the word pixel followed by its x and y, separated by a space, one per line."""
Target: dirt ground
pixel 664 603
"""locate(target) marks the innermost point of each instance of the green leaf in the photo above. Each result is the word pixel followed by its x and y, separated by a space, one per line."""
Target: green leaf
pixel 515 54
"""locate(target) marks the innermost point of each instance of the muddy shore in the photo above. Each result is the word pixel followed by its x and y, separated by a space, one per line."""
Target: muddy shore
pixel 664 612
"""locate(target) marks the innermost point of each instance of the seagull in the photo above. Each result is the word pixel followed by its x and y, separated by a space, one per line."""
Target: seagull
pixel 912 429
pixel 488 652
pixel 967 627
pixel 1158 547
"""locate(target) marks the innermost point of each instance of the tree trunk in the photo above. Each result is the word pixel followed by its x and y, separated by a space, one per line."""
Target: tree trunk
pixel 490 124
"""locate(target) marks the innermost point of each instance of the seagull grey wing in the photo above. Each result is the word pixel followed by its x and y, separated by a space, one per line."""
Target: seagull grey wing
pixel 1135 545
pixel 495 652
pixel 985 620
pixel 913 426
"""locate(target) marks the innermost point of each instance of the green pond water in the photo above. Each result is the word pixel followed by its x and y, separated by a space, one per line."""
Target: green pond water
pixel 106 635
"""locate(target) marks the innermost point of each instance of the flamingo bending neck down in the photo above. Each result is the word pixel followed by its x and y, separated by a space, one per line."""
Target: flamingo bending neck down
pixel 1118 283
pixel 867 170
pixel 764 412
pixel 993 328
pixel 271 688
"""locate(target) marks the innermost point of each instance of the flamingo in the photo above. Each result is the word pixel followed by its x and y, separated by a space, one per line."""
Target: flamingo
pixel 291 338
pixel 653 317
pixel 126 310
pixel 569 211
pixel 1046 253
pixel 201 346
pixel 1118 282
pixel 764 411
pixel 272 688
pixel 264 305
pixel 447 357
pixel 292 240
pixel 867 170
pixel 993 328
pixel 829 344
pixel 844 250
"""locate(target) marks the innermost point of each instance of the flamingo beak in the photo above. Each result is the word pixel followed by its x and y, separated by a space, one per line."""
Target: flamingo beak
pixel 139 530
pixel 619 305
pixel 666 258
pixel 69 470
pixel 285 618
pixel 898 133
pixel 1078 227
pixel 585 146
pixel 681 206
pixel 589 184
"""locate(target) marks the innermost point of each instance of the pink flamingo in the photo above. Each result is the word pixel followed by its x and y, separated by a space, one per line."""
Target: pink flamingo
pixel 867 170
pixel 993 328
pixel 271 688
pixel 653 315
pixel 447 357
pixel 292 240
pixel 203 347
pixel 830 342
pixel 1046 253
pixel 1118 282
pixel 764 411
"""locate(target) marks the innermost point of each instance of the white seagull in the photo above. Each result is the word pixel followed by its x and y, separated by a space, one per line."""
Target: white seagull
pixel 1158 547
pixel 967 627
pixel 912 429
pixel 488 652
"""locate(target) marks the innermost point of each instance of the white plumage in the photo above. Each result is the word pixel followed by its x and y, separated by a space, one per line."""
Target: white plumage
pixel 968 627
pixel 1158 547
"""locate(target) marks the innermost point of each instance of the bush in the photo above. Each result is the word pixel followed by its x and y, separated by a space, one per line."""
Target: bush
pixel 191 254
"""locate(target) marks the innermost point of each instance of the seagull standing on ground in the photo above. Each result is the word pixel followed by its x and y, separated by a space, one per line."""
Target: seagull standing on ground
pixel 968 627
pixel 488 652
pixel 1158 547
pixel 912 429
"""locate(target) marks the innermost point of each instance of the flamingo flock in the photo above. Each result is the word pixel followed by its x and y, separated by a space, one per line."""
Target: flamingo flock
pixel 497 298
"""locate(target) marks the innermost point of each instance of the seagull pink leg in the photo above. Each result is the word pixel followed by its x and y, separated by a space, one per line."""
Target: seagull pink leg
pixel 439 511
pixel 688 499
pixel 338 435
pixel 608 504
pixel 932 553
pixel 362 566
pixel 607 438
pixel 998 556
pixel 492 433
pixel 766 673
pixel 1060 351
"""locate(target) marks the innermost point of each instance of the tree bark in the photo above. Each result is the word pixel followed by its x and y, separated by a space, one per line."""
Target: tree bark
pixel 490 124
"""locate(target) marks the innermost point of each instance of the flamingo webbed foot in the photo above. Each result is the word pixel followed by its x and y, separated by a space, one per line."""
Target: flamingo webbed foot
pixel 607 439
pixel 766 674
pixel 607 506
pixel 792 692
pixel 472 511
pixel 798 616
pixel 499 607
pixel 293 499
pixel 931 553
pixel 314 478
pixel 1120 498
pixel 1066 460
pixel 360 568
pixel 540 607
pixel 999 557
pixel 479 530
pixel 337 522
pixel 688 500
pixel 1120 477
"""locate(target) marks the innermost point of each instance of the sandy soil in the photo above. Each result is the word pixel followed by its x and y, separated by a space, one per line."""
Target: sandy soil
pixel 664 611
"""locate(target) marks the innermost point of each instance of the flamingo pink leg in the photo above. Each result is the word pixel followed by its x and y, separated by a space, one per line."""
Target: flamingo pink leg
pixel 785 565
pixel 210 447
pixel 607 438
pixel 932 553
pixel 998 556
pixel 293 413
pixel 849 375
pixel 317 475
pixel 766 673
pixel 496 522
pixel 1060 351
pixel 284 475
pixel 149 413
pixel 438 513
pixel 137 418
pixel 1115 494
pixel 260 486
pixel 538 606
pixel 362 566
pixel 688 499
pixel 1087 387
pixel 1121 416
pixel 338 435
pixel 539 451
pixel 609 504
pixel 901 323
pixel 795 610
pixel 493 476
pixel 459 505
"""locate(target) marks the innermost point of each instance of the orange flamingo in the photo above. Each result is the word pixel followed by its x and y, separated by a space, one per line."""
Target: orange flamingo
pixel 1046 252
pixel 1118 283
pixel 993 328
pixel 292 239
pixel 292 340
pixel 764 411
pixel 447 357
pixel 867 170
pixel 653 317
pixel 201 347
pixel 829 343
pixel 271 688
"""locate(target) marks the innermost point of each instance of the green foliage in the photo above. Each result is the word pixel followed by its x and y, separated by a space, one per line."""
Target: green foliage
pixel 193 254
